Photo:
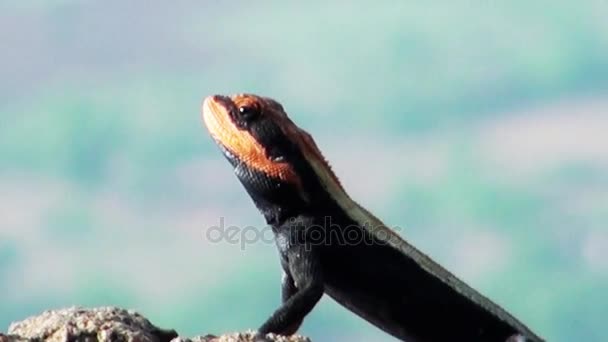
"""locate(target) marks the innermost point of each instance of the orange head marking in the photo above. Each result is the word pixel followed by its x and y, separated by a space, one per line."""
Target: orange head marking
pixel 228 118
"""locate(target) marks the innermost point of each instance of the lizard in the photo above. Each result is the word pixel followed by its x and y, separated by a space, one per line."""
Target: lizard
pixel 329 244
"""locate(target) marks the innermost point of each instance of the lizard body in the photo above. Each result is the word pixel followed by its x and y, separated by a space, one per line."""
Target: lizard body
pixel 330 244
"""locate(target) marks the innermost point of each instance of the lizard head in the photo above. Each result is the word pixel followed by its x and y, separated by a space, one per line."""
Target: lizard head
pixel 274 159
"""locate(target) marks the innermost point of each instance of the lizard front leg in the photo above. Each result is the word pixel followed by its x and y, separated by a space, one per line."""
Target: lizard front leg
pixel 288 289
pixel 302 288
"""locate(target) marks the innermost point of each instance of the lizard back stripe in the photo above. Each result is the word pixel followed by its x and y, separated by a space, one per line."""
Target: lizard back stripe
pixel 365 219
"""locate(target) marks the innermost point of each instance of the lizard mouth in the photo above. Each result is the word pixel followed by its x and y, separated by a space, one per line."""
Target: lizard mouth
pixel 232 158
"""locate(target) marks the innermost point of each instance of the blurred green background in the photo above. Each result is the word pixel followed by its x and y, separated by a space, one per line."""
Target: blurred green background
pixel 479 128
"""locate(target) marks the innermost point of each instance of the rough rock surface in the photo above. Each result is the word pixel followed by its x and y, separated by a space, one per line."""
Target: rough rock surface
pixel 109 324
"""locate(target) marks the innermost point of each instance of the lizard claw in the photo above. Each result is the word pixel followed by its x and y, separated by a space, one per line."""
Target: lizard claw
pixel 260 337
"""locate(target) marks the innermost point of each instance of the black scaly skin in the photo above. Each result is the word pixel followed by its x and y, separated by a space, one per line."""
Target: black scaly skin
pixel 323 250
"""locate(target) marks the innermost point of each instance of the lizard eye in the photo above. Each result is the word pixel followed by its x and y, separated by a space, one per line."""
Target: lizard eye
pixel 249 112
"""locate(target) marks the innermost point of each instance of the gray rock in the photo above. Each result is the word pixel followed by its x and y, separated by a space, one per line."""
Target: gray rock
pixel 110 324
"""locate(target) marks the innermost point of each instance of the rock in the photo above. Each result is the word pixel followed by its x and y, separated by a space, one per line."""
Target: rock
pixel 242 337
pixel 110 324
pixel 12 338
pixel 99 324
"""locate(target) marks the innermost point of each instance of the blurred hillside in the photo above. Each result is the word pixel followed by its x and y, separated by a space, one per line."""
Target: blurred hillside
pixel 478 129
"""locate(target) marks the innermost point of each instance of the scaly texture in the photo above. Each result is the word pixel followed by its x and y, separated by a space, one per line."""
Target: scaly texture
pixel 329 244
